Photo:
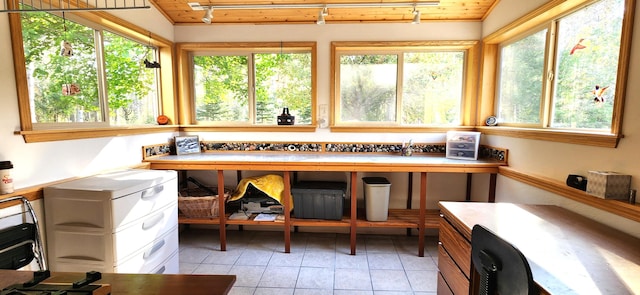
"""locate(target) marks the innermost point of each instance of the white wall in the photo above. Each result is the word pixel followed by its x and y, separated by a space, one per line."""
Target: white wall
pixel 557 160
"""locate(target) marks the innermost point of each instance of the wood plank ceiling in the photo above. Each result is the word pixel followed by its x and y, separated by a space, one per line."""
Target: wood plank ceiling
pixel 179 12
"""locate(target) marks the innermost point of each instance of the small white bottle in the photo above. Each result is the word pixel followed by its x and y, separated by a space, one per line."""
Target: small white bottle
pixel 6 181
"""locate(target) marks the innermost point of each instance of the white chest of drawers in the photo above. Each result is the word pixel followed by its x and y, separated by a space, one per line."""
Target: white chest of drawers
pixel 125 222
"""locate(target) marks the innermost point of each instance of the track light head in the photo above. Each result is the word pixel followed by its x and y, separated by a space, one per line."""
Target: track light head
pixel 416 17
pixel 321 16
pixel 208 16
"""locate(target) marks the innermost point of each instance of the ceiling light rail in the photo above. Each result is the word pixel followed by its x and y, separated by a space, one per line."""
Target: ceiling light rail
pixel 198 6
pixel 70 5
pixel 323 8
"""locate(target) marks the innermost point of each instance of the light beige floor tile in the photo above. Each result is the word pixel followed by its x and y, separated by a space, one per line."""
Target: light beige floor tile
pixel 193 255
pixel 314 292
pixel 379 260
pixel 286 259
pixel 319 258
pixel 237 290
pixel 414 262
pixel 358 261
pixel 389 280
pixel 315 278
pixel 252 256
pixel 273 291
pixel 279 277
pixel 247 275
pixel 214 269
pixel 352 279
pixel 423 280
pixel 230 256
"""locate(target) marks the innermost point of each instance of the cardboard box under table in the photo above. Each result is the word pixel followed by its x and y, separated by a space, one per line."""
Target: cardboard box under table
pixel 608 185
pixel 318 199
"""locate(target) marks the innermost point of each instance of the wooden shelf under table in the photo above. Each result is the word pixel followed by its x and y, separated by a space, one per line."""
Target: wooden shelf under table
pixel 397 218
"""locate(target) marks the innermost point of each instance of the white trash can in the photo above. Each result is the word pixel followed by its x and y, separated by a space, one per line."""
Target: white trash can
pixel 376 198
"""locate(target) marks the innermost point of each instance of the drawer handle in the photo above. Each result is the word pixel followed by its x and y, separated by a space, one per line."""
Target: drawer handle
pixel 152 193
pixel 153 221
pixel 157 246
pixel 161 270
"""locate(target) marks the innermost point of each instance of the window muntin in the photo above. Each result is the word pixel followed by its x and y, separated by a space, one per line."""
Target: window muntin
pixel 252 88
pixel 570 75
pixel 69 90
pixel 416 86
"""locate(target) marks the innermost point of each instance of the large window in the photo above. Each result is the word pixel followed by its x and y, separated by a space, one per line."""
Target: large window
pixel 401 84
pixel 564 75
pixel 67 66
pixel 88 75
pixel 248 84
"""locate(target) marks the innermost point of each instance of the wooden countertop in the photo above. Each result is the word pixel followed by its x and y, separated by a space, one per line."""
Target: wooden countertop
pixel 277 161
pixel 568 253
pixel 136 284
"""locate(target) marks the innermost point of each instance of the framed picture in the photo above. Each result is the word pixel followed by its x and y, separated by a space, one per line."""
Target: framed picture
pixel 187 144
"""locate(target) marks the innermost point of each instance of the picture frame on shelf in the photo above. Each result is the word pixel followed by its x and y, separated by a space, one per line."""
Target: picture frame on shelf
pixel 187 144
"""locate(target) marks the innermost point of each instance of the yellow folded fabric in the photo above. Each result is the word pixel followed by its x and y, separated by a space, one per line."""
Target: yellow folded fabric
pixel 271 184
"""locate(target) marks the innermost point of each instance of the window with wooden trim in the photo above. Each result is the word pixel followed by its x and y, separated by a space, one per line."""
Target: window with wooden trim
pixel 402 84
pixel 560 75
pixel 248 84
pixel 81 75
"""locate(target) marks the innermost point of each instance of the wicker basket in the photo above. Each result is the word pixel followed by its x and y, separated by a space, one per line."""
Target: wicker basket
pixel 199 203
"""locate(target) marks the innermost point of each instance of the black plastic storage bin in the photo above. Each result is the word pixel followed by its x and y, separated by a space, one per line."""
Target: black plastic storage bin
pixel 318 199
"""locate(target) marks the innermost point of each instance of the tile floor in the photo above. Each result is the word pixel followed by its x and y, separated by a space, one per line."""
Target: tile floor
pixel 319 263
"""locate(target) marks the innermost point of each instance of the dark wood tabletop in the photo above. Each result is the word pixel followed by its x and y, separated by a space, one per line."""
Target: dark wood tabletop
pixel 156 284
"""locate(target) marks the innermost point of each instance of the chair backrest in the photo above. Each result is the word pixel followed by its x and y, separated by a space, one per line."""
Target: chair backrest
pixel 20 241
pixel 503 268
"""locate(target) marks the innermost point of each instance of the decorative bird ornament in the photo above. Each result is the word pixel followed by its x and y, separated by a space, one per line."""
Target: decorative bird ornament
pixel 598 93
pixel 578 46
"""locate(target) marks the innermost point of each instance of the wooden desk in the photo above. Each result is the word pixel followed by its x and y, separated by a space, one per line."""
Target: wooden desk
pixel 568 253
pixel 136 284
pixel 353 163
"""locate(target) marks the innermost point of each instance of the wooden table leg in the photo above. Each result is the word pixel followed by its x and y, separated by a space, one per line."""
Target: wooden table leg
pixel 353 222
pixel 492 187
pixel 409 197
pixel 287 212
pixel 423 213
pixel 469 183
pixel 221 213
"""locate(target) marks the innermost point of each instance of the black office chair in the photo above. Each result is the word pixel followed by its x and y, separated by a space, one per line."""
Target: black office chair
pixel 503 268
pixel 20 241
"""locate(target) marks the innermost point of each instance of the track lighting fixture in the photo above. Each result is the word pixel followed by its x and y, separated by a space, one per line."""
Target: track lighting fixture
pixel 321 16
pixel 416 16
pixel 208 15
pixel 323 12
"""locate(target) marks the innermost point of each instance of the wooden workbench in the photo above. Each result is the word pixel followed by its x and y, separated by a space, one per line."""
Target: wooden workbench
pixel 568 253
pixel 353 163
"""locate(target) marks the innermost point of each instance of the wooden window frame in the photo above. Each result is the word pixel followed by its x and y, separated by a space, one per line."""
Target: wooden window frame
pixel 186 116
pixel 545 14
pixel 167 103
pixel 470 83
